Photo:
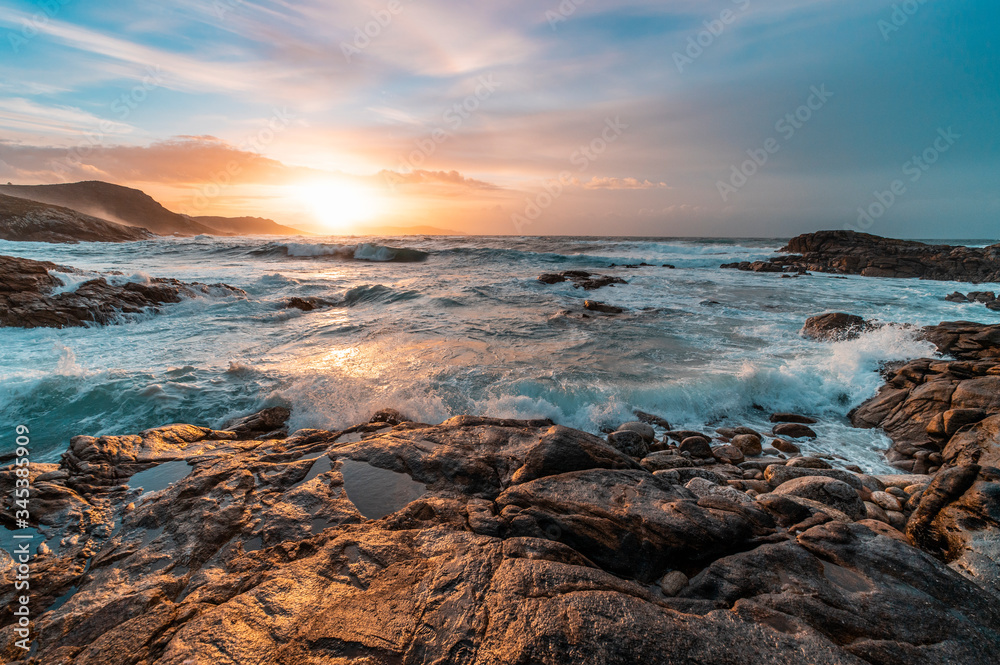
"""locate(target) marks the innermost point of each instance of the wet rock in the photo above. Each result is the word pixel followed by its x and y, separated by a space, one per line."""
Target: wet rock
pixel 28 298
pixel 793 431
pixel 308 304
pixel 834 327
pixel 652 419
pixel 642 429
pixel 581 279
pixel 563 450
pixel 603 308
pixel 828 491
pixel 267 420
pixel 808 463
pixel 389 417
pixel 792 418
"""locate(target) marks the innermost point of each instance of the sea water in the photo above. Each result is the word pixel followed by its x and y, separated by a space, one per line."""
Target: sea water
pixel 436 327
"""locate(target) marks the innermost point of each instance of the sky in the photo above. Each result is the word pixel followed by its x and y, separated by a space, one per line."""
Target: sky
pixel 736 118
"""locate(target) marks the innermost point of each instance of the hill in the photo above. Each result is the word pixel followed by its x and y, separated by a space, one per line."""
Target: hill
pixel 24 220
pixel 248 226
pixel 124 205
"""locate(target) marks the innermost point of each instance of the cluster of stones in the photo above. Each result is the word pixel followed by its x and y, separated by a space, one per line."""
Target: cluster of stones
pixel 988 298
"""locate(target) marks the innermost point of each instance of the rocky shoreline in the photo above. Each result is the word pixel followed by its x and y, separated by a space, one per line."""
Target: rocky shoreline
pixel 30 296
pixel 498 541
pixel 853 253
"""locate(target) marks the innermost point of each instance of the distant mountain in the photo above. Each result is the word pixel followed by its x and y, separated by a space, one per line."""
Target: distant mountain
pixel 248 226
pixel 31 221
pixel 408 231
pixel 124 205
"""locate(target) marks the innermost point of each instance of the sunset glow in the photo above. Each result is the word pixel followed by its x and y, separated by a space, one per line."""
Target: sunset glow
pixel 338 206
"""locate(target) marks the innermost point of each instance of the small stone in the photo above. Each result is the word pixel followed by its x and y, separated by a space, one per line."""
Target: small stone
pixel 729 454
pixel 603 308
pixel 785 446
pixel 875 512
pixel 794 431
pixel 896 519
pixel 673 582
pixel 696 446
pixel 898 492
pixel 748 444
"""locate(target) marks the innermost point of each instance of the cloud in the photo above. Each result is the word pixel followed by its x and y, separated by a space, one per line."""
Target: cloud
pixel 621 183
pixel 422 177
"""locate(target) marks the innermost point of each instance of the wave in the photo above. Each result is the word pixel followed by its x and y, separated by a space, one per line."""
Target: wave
pixel 359 252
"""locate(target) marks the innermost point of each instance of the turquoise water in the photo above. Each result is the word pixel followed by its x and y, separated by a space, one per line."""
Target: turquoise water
pixel 441 326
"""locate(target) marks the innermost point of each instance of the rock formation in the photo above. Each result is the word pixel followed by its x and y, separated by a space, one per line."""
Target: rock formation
pixel 493 541
pixel 852 253
pixel 29 296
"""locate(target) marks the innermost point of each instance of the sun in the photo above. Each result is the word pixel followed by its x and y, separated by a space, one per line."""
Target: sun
pixel 338 205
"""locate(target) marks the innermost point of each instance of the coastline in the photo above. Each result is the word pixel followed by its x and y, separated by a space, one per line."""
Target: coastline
pixel 490 540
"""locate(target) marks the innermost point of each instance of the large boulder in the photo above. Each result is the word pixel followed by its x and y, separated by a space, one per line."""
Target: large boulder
pixel 828 491
pixel 834 327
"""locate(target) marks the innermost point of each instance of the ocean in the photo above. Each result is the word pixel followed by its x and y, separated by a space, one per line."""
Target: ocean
pixel 436 327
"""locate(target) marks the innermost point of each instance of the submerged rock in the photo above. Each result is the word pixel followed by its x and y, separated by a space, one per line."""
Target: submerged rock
pixel 834 327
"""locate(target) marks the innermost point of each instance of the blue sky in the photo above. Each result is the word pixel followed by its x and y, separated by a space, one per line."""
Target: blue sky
pixel 169 96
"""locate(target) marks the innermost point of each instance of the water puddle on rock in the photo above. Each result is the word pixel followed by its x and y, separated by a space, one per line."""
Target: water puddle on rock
pixel 160 476
pixel 319 467
pixel 378 492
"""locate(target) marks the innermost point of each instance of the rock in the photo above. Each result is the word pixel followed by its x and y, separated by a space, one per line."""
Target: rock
pixel 629 442
pixel 808 463
pixel 785 446
pixel 652 419
pixel 389 417
pixel 696 446
pixel 673 582
pixel 642 429
pixel 581 279
pixel 267 420
pixel 794 431
pixel 778 475
pixel 850 252
pixel 946 487
pixel 27 298
pixel 875 512
pixel 748 444
pixel 308 304
pixel 792 418
pixel 665 459
pixel 563 450
pixel 882 528
pixel 466 566
pixel 828 491
pixel 728 454
pixel 886 501
pixel 594 306
pixel 834 327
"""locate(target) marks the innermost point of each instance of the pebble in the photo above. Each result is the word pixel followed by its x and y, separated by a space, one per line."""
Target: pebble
pixel 673 582
pixel 785 446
